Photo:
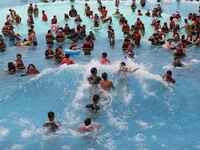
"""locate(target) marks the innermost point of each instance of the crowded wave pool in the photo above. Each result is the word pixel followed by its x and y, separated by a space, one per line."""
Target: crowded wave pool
pixel 118 83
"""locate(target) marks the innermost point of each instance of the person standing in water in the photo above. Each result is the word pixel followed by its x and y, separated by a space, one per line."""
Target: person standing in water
pixel 94 107
pixel 88 126
pixel 93 79
pixel 106 84
pixel 168 77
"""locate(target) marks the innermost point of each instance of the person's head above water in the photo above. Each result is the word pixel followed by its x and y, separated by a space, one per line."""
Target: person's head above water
pixel 19 56
pixel 122 64
pixel 51 116
pixel 93 71
pixel 104 76
pixel 169 72
pixel 67 55
pixel 87 121
pixel 104 55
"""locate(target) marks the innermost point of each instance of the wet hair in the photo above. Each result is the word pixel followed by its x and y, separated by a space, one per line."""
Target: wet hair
pixel 104 76
pixel 18 55
pixel 11 65
pixel 169 72
pixel 183 37
pixel 31 65
pixel 123 64
pixel 93 70
pixel 104 54
pixel 87 121
pixel 67 55
pixel 95 98
pixel 51 115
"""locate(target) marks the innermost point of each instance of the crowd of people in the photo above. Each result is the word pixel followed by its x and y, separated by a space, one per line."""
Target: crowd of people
pixel 172 35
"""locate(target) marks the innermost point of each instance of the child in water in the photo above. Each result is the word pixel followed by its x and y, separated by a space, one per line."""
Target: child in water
pixel 19 62
pixel 11 68
pixel 168 77
pixel 51 124
pixel 49 53
pixel 93 79
pixel 88 126
pixel 94 107
pixel 177 62
pixel 67 60
pixel 104 60
pixel 32 70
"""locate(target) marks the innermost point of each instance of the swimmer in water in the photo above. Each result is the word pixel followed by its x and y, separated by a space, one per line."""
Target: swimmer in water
pixel 67 60
pixel 104 59
pixel 177 62
pixel 168 77
pixel 51 124
pixel 19 62
pixel 93 78
pixel 31 70
pixel 88 126
pixel 124 68
pixel 106 84
pixel 94 107
pixel 11 68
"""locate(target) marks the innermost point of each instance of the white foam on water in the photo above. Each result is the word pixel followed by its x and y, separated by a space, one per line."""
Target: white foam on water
pixel 168 67
pixel 110 144
pixel 27 133
pixel 66 147
pixel 80 94
pixel 16 147
pixel 24 122
pixel 139 140
pixel 71 118
pixel 143 124
pixel 127 99
pixel 145 89
pixel 194 61
pixel 107 141
pixel 29 129
pixel 139 137
pixel 144 73
pixel 32 131
pixel 117 122
pixel 3 133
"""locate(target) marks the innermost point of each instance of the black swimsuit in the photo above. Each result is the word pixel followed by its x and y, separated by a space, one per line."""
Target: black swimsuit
pixel 93 108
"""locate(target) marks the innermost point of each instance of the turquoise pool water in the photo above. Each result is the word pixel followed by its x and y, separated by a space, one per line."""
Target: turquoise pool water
pixel 145 113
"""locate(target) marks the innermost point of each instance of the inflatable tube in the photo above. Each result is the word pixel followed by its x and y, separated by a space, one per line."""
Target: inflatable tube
pixel 72 52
